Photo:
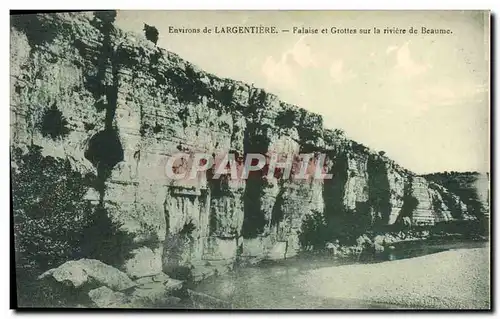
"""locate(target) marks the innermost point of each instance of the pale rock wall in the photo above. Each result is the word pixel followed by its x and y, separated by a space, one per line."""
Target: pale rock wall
pixel 397 183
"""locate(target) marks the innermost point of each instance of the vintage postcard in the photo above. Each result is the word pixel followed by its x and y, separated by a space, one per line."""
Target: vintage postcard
pixel 251 159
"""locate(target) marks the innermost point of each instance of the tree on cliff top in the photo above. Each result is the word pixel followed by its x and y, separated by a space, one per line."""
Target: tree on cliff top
pixel 151 33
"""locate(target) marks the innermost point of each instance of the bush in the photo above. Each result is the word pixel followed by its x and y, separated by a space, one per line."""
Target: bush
pixel 53 223
pixel 49 213
pixel 314 231
pixel 286 119
pixel 350 224
pixel 151 33
pixel 54 124
pixel 410 202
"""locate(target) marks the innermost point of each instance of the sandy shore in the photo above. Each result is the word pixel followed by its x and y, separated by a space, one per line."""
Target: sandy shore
pixel 456 279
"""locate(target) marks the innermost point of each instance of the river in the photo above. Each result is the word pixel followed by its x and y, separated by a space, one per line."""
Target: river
pixel 276 284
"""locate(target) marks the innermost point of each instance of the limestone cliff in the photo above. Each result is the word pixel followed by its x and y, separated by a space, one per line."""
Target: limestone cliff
pixel 127 105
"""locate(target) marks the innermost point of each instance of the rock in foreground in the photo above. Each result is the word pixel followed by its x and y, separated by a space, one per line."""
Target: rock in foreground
pixel 80 272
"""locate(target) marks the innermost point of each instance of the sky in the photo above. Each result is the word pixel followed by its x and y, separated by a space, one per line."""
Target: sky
pixel 423 99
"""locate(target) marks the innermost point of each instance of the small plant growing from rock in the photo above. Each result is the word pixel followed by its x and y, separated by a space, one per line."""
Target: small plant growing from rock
pixel 53 123
pixel 188 229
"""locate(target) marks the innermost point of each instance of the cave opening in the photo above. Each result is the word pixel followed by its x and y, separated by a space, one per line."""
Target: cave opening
pixel 104 152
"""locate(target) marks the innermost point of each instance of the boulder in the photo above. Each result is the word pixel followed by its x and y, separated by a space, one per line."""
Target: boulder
pixel 254 247
pixel 173 284
pixel 161 277
pixel 220 249
pixel 202 272
pixel 378 248
pixel 149 293
pixel 145 262
pixel 103 297
pixel 278 251
pixel 155 292
pixel 144 280
pixel 379 239
pixel 80 272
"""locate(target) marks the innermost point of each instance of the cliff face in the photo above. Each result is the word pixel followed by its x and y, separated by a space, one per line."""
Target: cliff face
pixel 471 187
pixel 126 105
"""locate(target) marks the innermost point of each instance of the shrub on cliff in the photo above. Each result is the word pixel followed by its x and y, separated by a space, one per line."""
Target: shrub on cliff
pixel 314 232
pixel 48 209
pixel 463 184
pixel 151 33
pixel 53 222
pixel 410 204
pixel 48 213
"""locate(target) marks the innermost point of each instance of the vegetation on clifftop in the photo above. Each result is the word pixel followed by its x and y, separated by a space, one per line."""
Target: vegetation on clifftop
pixel 465 186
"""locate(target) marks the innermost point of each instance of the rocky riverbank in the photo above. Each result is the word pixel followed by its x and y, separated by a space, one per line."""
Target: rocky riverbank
pixel 456 279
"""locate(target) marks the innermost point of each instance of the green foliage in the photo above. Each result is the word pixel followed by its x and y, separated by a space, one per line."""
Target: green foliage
pixel 469 229
pixel 148 236
pixel 48 293
pixel 37 27
pixel 453 205
pixel 49 213
pixel 54 124
pixel 310 128
pixel 225 95
pixel 277 213
pixel 104 240
pixel 187 229
pixel 343 224
pixel 359 148
pixel 286 119
pixel 157 129
pixel 437 204
pixel 463 184
pixel 338 132
pixel 378 190
pixel 175 244
pixel 53 223
pixel 410 202
pixel 314 231
pixel 256 138
pixel 151 33
pixel 187 85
